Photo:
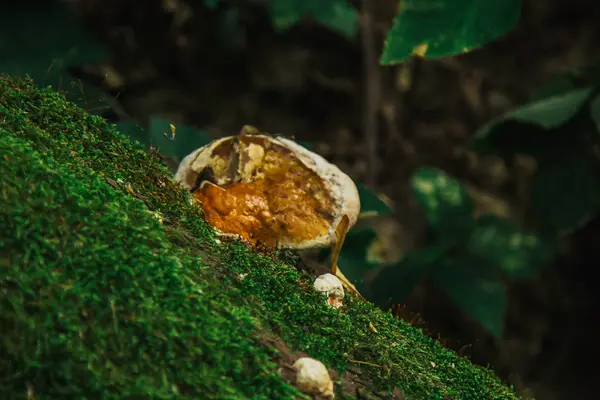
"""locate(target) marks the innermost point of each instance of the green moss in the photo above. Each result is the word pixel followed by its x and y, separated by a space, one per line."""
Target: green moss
pixel 96 302
pixel 396 355
pixel 97 298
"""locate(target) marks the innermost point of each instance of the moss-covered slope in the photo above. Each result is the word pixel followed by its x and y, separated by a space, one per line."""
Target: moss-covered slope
pixel 112 285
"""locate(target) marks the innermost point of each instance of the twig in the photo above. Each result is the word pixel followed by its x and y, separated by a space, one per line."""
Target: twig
pixel 372 81
pixel 364 363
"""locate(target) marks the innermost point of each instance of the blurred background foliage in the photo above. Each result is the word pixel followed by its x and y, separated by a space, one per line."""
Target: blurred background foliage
pixel 471 128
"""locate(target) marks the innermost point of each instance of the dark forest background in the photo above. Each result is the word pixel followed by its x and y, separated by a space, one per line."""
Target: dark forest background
pixel 212 67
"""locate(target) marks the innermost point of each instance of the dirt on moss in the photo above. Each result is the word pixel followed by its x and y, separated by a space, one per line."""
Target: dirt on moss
pixel 112 285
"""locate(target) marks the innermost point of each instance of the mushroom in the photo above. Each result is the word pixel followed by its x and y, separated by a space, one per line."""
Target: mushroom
pixel 270 190
pixel 332 287
pixel 313 378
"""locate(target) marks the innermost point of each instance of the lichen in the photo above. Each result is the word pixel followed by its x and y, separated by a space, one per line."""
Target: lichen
pixel 98 298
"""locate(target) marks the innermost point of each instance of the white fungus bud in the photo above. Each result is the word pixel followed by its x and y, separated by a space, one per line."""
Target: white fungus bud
pixel 332 287
pixel 313 378
pixel 158 216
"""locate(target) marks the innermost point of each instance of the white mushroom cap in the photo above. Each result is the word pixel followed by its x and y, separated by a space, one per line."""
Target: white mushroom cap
pixel 339 185
pixel 332 287
pixel 312 377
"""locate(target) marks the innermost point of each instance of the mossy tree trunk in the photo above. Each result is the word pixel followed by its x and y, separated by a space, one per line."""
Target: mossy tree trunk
pixel 112 285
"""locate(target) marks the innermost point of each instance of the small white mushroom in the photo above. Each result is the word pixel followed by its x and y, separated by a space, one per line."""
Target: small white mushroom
pixel 312 377
pixel 158 216
pixel 332 287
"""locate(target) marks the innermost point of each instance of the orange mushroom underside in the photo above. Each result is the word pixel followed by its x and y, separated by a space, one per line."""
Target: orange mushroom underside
pixel 288 203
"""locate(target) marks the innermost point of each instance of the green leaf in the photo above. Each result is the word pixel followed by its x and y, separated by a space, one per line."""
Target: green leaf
pixel 551 112
pixel 500 242
pixel 439 28
pixel 575 78
pixel 396 282
pixel 532 129
pixel 565 192
pixel 44 40
pixel 476 289
pixel 448 207
pixel 370 203
pixel 341 17
pixel 338 15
